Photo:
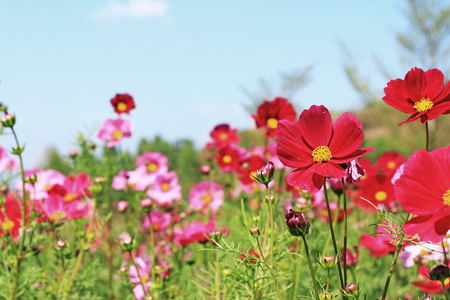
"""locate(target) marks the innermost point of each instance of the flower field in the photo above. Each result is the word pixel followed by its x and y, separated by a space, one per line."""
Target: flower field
pixel 306 210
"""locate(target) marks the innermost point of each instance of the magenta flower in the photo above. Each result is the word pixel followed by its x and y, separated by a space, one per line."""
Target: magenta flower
pixel 165 190
pixel 158 221
pixel 206 195
pixel 196 232
pixel 45 180
pixel 380 245
pixel 114 130
pixel 56 209
pixel 120 181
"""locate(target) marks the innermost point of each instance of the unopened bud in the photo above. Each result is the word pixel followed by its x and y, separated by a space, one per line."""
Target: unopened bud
pixel 205 169
pixel 255 231
pixel 427 298
pixel 439 273
pixel 31 179
pixel 61 244
pixel 325 296
pixel 123 270
pixel 147 204
pixel 122 206
pixel 8 120
pixel 73 153
pixel 298 224
pixel 17 150
pixel 265 174
pixel 328 261
pixel 226 272
pixel 351 290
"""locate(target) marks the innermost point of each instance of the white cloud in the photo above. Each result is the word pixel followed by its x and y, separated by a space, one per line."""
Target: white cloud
pixel 132 9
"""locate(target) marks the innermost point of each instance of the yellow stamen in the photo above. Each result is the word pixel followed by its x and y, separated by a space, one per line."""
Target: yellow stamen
pixel 321 154
pixel 70 197
pixel 446 198
pixel 380 196
pixel 223 136
pixel 121 106
pixel 165 187
pixel 391 165
pixel 152 167
pixel 227 159
pixel 206 198
pixel 58 215
pixel 272 123
pixel 423 104
pixel 7 225
pixel 117 134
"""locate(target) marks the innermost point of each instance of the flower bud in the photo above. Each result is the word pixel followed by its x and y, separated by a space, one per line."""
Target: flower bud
pixel 31 179
pixel 351 290
pixel 226 272
pixel 298 224
pixel 325 296
pixel 122 206
pixel 439 273
pixel 265 174
pixel 124 270
pixel 205 169
pixel 61 244
pixel 328 261
pixel 427 298
pixel 73 153
pixel 147 204
pixel 3 107
pixel 255 231
pixel 17 150
pixel 8 120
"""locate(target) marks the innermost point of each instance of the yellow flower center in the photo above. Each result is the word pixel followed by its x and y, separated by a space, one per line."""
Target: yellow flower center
pixel 152 167
pixel 70 197
pixel 321 154
pixel 121 106
pixel 58 215
pixel 423 104
pixel 117 134
pixel 206 198
pixel 144 277
pixel 446 198
pixel 165 187
pixel 226 159
pixel 8 225
pixel 48 187
pixel 272 123
pixel 391 165
pixel 156 226
pixel 223 136
pixel 380 196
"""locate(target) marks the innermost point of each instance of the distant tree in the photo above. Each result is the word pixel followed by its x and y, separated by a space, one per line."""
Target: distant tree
pixel 188 166
pixel 425 44
pixel 56 162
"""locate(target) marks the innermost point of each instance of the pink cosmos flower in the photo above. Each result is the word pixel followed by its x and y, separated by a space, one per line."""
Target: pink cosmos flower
pixel 316 148
pixel 196 232
pixel 206 194
pixel 159 221
pixel 7 162
pixel 114 130
pixel 155 163
pixel 45 180
pixel 424 190
pixel 165 189
pixel 144 266
pixel 56 209
pixel 120 181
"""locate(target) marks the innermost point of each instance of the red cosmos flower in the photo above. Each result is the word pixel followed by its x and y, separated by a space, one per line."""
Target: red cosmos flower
pixel 123 103
pixel 421 94
pixel 390 161
pixel 223 136
pixel 248 168
pixel 316 147
pixel 424 190
pixel 228 159
pixel 271 112
pixel 428 285
pixel 196 232
pixel 378 190
pixel 380 245
pixel 11 216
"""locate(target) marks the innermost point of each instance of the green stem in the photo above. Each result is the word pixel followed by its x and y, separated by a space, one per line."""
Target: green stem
pixel 270 269
pixel 311 269
pixel 394 263
pixel 271 227
pixel 427 133
pixel 444 290
pixel 445 253
pixel 345 232
pixel 217 277
pixel 24 221
pixel 332 234
pixel 139 273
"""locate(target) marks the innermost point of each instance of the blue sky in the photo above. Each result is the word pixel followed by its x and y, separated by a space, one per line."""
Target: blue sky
pixel 184 62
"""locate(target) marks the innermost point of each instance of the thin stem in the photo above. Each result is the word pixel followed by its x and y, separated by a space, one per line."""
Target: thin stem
pixel 328 280
pixel 345 232
pixel 137 270
pixel 24 221
pixel 427 133
pixel 311 269
pixel 270 269
pixel 445 253
pixel 332 233
pixel 444 289
pixel 217 277
pixel 394 263
pixel 271 227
